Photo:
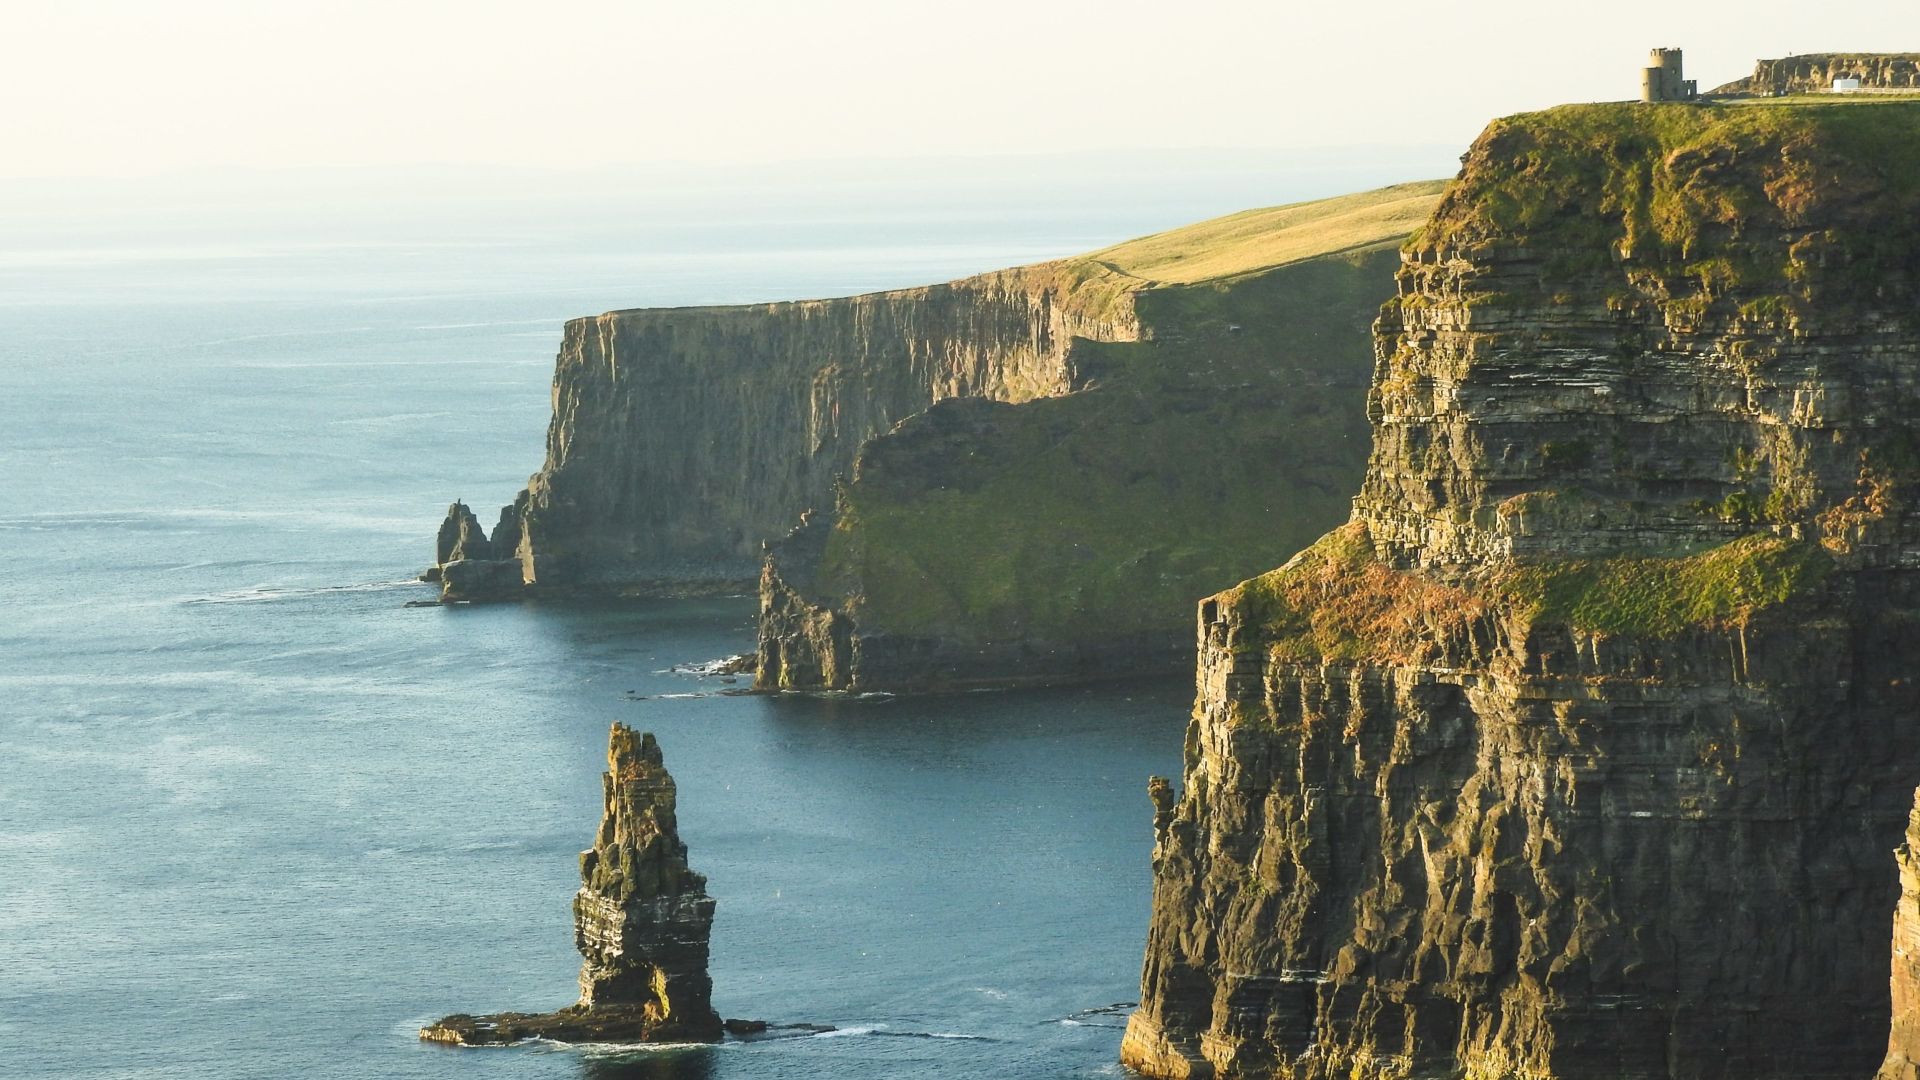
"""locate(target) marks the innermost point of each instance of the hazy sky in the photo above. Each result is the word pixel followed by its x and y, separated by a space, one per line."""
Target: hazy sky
pixel 117 88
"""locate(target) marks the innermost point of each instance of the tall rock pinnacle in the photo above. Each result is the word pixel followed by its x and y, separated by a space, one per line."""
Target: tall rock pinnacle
pixel 641 919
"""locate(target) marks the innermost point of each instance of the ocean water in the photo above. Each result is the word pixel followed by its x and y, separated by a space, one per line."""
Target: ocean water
pixel 260 818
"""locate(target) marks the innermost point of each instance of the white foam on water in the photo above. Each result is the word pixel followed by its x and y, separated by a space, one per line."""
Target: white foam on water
pixel 605 1049
pixel 843 1032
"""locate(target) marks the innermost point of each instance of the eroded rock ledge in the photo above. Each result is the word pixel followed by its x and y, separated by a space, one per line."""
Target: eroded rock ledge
pixel 641 920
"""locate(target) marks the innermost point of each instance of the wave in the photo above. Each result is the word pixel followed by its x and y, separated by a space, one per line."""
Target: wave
pixel 240 339
pixel 838 695
pixel 600 1049
pixel 392 418
pixel 841 1033
pixel 173 516
pixel 505 322
pixel 882 1031
pixel 1089 1017
pixel 737 664
pixel 263 594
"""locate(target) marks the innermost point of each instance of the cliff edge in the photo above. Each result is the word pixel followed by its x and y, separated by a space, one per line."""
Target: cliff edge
pixel 1579 751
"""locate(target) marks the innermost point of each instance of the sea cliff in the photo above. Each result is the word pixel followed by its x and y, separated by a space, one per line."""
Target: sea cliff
pixel 1581 749
pixel 1063 538
pixel 682 438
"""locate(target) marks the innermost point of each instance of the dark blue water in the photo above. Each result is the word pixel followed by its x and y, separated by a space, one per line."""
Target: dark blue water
pixel 258 818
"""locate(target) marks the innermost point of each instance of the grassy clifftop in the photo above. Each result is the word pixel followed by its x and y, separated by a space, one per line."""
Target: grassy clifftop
pixel 1099 285
pixel 1257 240
pixel 1648 373
pixel 1696 197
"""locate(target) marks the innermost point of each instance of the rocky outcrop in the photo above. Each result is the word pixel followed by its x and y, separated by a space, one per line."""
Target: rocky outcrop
pixel 461 537
pixel 1062 539
pixel 683 438
pixel 1903 1042
pixel 471 567
pixel 641 919
pixel 1578 751
pixel 1815 72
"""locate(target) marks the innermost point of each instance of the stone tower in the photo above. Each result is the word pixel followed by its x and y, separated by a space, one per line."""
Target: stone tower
pixel 1661 79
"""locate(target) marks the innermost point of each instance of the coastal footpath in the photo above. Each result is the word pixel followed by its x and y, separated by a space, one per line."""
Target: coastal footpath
pixel 1063 539
pixel 1581 750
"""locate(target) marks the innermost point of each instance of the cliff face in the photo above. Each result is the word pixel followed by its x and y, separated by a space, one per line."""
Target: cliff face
pixel 1815 72
pixel 641 920
pixel 1062 539
pixel 682 438
pixel 1579 751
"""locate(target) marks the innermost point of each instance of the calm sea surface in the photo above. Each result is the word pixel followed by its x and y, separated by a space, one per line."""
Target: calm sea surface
pixel 258 818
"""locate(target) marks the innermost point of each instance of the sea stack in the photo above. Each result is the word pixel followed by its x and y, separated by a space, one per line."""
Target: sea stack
pixel 641 918
pixel 469 566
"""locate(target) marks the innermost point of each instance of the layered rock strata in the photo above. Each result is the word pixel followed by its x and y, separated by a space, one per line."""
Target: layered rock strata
pixel 1062 539
pixel 1579 750
pixel 1815 72
pixel 641 919
pixel 683 438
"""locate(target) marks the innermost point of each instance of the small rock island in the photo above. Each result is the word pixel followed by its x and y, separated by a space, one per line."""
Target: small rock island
pixel 641 919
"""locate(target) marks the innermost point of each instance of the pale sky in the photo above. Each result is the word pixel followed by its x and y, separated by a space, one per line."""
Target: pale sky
pixel 116 88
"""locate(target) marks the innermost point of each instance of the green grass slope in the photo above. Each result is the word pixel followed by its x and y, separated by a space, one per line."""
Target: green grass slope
pixel 1257 240
pixel 1230 437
